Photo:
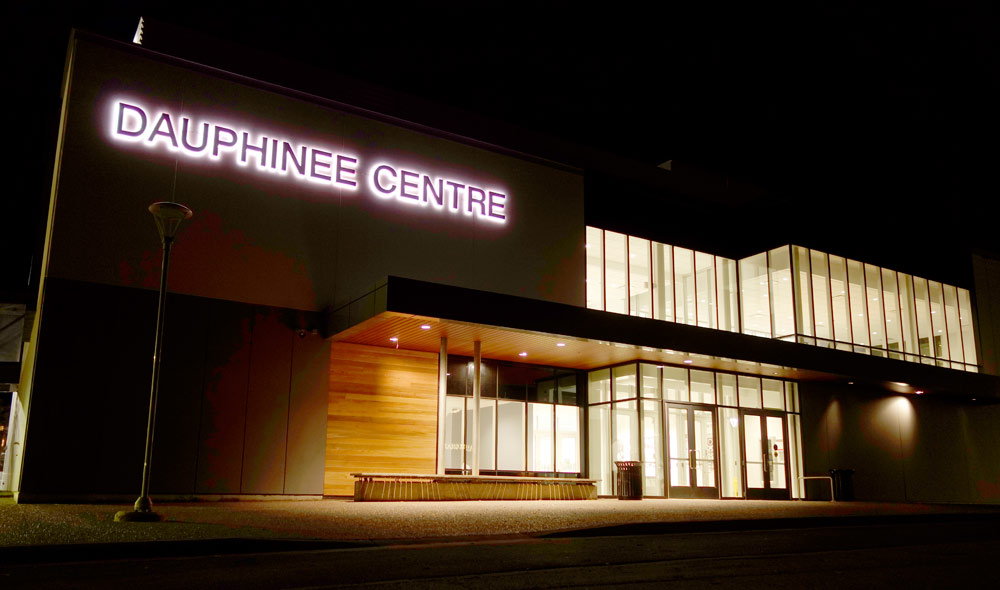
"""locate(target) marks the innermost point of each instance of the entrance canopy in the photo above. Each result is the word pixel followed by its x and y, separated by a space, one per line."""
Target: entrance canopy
pixel 415 315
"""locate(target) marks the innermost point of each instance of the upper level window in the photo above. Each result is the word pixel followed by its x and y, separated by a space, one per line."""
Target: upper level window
pixel 791 293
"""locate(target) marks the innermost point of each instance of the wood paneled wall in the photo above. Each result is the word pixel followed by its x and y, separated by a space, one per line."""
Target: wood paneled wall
pixel 382 414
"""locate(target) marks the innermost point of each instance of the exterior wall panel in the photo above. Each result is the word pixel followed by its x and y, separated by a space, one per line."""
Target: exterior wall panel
pixel 902 448
pixel 178 406
pixel 223 414
pixel 382 414
pixel 267 404
pixel 305 451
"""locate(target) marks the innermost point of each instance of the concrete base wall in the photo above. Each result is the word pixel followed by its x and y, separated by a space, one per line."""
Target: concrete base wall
pixel 241 407
pixel 903 448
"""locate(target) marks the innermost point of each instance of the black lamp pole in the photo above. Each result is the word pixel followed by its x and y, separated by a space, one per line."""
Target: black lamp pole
pixel 168 218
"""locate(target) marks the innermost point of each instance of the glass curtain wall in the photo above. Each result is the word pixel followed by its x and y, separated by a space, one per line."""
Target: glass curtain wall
pixel 639 277
pixel 633 415
pixel 850 305
pixel 791 293
pixel 530 420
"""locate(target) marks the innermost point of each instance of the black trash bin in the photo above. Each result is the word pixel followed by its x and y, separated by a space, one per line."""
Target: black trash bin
pixel 629 480
pixel 843 484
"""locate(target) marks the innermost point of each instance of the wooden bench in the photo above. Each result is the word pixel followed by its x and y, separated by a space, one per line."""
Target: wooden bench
pixel 409 487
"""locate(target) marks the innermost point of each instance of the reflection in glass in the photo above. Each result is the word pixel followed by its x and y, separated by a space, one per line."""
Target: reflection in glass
pixel 599 386
pixel 568 420
pixel 729 451
pixel 487 433
pixel 782 304
pixel 873 296
pixel 624 382
pixel 802 285
pixel 776 451
pixel 840 301
pixel 510 435
pixel 859 311
pixel 640 292
pixel 595 268
pixel 951 320
pixel 680 466
pixel 684 294
pixel 663 282
pixel 752 448
pixel 702 387
pixel 821 295
pixel 649 377
pixel 616 289
pixel 704 449
pixel 705 289
pixel 540 451
pixel 726 384
pixel 922 304
pixel 755 303
pixel 908 316
pixel 727 287
pixel 938 321
pixel 749 392
pixel 773 396
pixel 675 384
pixel 893 326
pixel 652 452
pixel 626 432
pixel 599 447
pixel 965 319
pixel 454 432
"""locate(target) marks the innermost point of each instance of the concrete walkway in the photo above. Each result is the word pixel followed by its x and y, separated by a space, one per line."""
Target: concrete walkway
pixel 40 525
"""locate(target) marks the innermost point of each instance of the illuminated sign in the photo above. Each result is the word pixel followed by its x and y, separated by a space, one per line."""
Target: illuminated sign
pixel 132 122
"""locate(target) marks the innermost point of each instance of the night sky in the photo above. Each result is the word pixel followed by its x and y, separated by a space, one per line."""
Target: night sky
pixel 861 121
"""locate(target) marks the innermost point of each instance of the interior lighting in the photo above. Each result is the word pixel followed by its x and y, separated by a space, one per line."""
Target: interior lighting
pixel 393 339
pixel 560 344
pixel 425 327
pixel 688 361
pixel 919 392
pixel 522 354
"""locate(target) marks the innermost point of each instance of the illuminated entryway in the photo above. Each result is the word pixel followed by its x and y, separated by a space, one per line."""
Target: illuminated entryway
pixel 703 434
pixel 765 455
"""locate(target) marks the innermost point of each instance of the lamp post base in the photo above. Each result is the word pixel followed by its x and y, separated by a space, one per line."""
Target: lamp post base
pixel 142 511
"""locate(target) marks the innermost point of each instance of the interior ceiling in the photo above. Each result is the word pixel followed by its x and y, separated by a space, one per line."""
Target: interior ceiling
pixel 507 344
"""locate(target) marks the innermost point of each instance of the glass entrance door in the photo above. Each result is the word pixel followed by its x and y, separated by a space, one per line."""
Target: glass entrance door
pixel 691 434
pixel 765 458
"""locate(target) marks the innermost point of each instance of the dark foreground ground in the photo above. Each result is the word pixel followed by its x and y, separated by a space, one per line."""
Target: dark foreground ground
pixel 645 544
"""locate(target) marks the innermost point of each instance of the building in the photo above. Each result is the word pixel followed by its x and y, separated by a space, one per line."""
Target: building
pixel 347 276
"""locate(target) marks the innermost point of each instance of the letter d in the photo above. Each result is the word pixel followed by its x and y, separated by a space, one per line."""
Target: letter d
pixel 121 120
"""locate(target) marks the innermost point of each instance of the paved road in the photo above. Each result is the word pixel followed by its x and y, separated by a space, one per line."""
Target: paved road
pixel 919 552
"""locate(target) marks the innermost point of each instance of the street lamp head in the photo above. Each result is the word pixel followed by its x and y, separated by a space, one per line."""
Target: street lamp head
pixel 168 218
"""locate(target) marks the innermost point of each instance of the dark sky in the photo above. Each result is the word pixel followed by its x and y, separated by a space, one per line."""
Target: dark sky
pixel 881 123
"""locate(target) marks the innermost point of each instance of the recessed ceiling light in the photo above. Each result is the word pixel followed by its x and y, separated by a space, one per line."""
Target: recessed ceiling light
pixel 919 392
pixel 560 344
pixel 688 361
pixel 393 339
pixel 522 354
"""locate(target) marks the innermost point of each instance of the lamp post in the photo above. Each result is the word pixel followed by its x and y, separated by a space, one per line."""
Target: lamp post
pixel 168 218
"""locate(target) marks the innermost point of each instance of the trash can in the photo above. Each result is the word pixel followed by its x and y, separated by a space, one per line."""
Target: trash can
pixel 629 480
pixel 843 484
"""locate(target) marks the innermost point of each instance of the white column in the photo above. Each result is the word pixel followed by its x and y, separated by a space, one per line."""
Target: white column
pixel 442 397
pixel 476 366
